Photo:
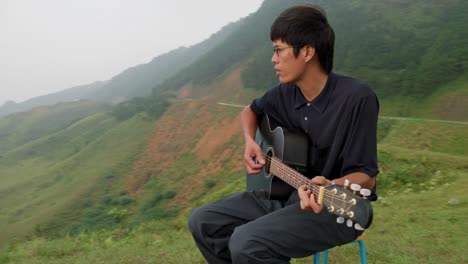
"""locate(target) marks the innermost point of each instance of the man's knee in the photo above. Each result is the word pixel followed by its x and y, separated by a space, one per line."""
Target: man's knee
pixel 194 220
pixel 238 245
pixel 245 246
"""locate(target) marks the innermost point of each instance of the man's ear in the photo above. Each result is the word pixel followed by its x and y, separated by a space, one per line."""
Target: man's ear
pixel 309 53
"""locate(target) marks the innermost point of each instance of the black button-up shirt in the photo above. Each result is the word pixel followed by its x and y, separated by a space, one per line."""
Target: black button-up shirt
pixel 341 123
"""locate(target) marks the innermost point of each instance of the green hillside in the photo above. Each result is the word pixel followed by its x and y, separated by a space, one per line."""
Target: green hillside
pixel 419 188
pixel 20 128
pixel 411 52
pixel 47 182
pixel 59 162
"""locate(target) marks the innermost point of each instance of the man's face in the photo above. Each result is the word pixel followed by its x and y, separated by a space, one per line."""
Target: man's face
pixel 289 68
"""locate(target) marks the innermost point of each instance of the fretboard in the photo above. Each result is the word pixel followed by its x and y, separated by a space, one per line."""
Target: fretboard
pixel 339 201
pixel 289 175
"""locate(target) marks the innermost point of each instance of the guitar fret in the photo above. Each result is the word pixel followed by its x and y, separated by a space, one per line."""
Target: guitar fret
pixel 335 203
pixel 290 176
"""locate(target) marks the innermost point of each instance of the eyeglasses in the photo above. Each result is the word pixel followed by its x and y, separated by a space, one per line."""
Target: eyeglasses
pixel 278 49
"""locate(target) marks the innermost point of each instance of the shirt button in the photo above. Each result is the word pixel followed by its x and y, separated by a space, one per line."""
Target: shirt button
pixel 308 104
pixel 305 118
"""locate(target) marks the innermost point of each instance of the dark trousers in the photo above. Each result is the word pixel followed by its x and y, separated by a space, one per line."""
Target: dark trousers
pixel 248 228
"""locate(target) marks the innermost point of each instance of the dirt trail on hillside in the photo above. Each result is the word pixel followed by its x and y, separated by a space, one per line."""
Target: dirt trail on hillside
pixel 171 138
pixel 199 127
pixel 202 128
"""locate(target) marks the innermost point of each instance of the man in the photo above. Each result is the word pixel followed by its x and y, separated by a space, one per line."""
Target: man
pixel 339 115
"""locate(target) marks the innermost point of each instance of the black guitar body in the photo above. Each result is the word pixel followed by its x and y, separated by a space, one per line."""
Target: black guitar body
pixel 291 147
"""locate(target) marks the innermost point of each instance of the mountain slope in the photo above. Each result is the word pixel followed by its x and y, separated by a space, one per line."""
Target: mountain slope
pixel 20 128
pixel 68 95
pixel 52 179
pixel 140 80
pixel 137 81
pixel 411 52
pixel 395 46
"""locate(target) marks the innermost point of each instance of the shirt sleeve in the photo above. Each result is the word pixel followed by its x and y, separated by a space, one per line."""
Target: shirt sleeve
pixel 360 149
pixel 265 103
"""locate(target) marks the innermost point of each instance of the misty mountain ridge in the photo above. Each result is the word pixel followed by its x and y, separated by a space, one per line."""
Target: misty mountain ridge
pixel 393 45
pixel 136 81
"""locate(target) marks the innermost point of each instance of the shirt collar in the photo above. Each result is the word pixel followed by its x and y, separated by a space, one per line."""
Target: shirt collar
pixel 321 101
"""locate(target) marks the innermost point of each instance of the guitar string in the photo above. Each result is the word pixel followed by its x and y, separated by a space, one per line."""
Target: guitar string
pixel 301 178
pixel 345 205
pixel 329 197
pixel 291 173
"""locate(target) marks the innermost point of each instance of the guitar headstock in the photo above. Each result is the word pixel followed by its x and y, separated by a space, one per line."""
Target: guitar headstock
pixel 347 204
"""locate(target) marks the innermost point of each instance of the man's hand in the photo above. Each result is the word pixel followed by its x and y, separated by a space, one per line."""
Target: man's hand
pixel 252 151
pixel 308 202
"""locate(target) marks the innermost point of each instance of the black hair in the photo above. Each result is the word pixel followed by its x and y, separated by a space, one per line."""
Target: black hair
pixel 299 26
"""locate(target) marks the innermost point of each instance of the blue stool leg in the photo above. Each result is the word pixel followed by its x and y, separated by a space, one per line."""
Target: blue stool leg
pixel 362 252
pixel 325 257
pixel 317 258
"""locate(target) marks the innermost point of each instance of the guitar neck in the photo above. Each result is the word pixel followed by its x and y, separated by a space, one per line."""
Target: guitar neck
pixel 338 200
pixel 290 176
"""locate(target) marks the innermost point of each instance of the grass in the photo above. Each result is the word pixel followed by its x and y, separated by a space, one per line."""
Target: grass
pixel 50 190
pixel 448 102
pixel 424 135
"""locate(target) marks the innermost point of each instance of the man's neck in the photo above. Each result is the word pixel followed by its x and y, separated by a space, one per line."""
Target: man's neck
pixel 312 82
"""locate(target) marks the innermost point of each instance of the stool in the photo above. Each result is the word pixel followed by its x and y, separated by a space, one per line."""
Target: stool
pixel 362 252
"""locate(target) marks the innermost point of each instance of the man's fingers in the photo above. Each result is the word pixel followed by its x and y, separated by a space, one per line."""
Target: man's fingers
pixel 251 163
pixel 317 208
pixel 252 152
pixel 252 167
pixel 308 200
pixel 260 158
pixel 253 171
pixel 304 194
pixel 319 180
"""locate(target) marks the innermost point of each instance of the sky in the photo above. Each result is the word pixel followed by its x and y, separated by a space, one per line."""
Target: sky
pixel 51 45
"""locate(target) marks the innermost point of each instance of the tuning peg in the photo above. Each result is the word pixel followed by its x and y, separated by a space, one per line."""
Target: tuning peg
pixel 358 227
pixel 340 219
pixel 331 208
pixel 365 193
pixel 349 223
pixel 350 214
pixel 346 183
pixel 355 187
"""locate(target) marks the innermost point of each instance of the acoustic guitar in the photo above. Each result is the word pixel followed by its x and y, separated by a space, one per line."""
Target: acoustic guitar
pixel 286 156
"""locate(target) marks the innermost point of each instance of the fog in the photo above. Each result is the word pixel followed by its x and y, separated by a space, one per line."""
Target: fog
pixel 51 45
